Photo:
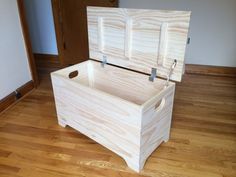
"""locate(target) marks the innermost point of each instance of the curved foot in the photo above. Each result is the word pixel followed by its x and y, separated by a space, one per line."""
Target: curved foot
pixel 135 165
pixel 166 138
pixel 62 123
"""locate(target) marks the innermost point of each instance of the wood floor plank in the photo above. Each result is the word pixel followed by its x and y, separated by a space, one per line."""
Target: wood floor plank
pixel 202 141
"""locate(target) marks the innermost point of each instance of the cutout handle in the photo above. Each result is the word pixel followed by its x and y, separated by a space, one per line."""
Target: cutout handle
pixel 160 104
pixel 73 74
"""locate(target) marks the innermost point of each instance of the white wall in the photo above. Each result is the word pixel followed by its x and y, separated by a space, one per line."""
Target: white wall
pixel 14 68
pixel 41 26
pixel 212 28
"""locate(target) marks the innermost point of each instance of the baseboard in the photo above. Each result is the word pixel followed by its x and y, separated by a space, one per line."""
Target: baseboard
pixel 47 61
pixel 14 97
pixel 210 70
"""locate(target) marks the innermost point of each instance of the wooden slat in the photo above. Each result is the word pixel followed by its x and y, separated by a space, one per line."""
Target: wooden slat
pixel 163 44
pixel 128 37
pixel 100 34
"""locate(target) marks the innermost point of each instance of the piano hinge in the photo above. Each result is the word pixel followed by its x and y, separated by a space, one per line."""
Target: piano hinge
pixel 104 61
pixel 170 72
pixel 153 74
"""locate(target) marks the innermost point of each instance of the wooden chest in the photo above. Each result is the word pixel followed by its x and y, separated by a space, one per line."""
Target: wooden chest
pixel 127 111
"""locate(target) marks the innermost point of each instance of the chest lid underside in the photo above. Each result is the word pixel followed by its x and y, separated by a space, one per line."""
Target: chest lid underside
pixel 139 39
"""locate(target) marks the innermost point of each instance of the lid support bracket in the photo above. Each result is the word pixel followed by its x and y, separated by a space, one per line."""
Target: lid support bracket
pixel 170 72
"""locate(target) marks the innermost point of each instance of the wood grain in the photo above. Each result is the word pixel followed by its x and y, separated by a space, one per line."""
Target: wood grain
pixel 47 61
pixel 7 101
pixel 115 107
pixel 139 39
pixel 202 140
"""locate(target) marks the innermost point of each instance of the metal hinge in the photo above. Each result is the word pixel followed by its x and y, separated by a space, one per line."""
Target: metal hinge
pixel 170 72
pixel 104 61
pixel 188 40
pixel 153 74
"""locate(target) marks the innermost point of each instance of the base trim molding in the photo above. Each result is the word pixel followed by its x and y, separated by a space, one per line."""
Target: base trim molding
pixel 47 63
pixel 210 70
pixel 47 60
pixel 16 96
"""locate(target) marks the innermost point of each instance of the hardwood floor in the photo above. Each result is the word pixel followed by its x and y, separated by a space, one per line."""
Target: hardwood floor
pixel 202 143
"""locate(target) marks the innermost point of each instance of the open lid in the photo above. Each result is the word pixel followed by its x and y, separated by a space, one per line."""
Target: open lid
pixel 139 39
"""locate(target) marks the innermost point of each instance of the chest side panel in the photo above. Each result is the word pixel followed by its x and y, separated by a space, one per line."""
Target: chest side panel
pixel 139 39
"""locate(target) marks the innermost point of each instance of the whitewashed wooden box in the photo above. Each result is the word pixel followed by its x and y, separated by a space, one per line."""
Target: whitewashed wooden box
pixel 128 112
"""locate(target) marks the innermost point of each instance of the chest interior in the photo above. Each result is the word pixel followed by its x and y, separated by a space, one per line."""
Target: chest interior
pixel 127 85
